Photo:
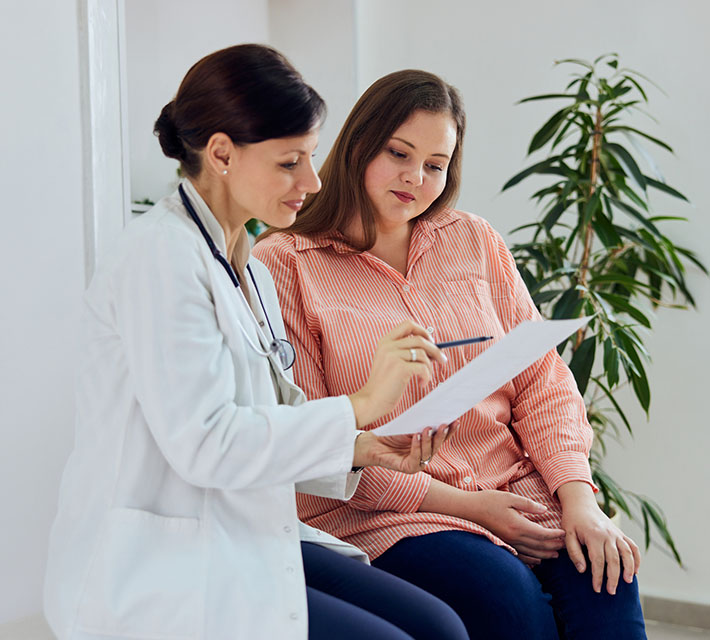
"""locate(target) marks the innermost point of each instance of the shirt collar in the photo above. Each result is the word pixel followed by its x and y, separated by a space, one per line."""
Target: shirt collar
pixel 214 228
pixel 337 240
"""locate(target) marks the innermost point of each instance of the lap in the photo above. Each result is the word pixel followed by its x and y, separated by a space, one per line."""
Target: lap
pixel 377 593
pixel 498 596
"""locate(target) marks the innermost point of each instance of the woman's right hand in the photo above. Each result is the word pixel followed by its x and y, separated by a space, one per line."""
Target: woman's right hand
pixel 501 513
pixel 393 368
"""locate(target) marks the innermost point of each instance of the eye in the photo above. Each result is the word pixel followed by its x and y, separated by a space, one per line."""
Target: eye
pixel 289 166
pixel 397 154
pixel 435 167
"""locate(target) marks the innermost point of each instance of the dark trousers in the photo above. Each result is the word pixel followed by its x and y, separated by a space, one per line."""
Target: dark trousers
pixel 499 597
pixel 347 600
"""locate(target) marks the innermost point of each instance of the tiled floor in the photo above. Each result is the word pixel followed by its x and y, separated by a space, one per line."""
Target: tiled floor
pixel 658 631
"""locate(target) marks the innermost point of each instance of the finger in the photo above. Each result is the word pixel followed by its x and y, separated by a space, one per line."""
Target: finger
pixel 426 449
pixel 574 550
pixel 529 560
pixel 526 505
pixel 452 429
pixel 597 562
pixel 543 546
pixel 426 345
pixel 420 371
pixel 613 566
pixel 540 554
pixel 440 436
pixel 635 550
pixel 407 328
pixel 415 355
pixel 627 559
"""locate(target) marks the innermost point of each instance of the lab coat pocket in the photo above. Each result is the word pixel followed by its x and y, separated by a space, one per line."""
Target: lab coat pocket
pixel 146 577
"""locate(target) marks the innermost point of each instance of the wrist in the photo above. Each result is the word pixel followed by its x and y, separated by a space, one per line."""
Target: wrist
pixel 361 453
pixel 575 493
pixel 361 404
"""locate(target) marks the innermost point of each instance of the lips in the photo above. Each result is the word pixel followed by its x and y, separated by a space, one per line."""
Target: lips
pixel 403 196
pixel 294 204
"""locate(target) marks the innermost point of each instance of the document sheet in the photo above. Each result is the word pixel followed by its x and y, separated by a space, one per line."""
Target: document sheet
pixel 498 364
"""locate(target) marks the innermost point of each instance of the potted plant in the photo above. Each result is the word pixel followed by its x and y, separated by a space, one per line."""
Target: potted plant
pixel 597 249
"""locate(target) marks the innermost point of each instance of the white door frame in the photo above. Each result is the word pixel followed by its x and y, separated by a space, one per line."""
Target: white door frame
pixel 104 123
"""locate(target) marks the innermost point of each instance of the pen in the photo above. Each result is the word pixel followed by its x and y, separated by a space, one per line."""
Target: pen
pixel 458 343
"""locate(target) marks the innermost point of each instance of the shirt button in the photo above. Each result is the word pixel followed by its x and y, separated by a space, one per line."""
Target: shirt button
pixel 430 330
pixel 261 323
pixel 287 529
pixel 468 479
pixel 406 287
pixel 293 616
pixel 289 570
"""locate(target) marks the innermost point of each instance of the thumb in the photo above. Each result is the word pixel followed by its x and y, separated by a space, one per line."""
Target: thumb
pixel 526 505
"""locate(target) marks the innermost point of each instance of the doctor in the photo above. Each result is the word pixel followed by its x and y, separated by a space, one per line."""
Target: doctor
pixel 177 514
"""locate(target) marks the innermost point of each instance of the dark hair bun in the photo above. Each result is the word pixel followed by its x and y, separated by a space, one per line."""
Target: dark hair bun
pixel 168 134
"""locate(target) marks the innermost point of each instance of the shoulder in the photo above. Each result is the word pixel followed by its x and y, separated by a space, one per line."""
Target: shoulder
pixel 277 251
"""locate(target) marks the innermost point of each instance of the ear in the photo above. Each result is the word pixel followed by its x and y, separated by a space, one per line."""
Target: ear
pixel 219 154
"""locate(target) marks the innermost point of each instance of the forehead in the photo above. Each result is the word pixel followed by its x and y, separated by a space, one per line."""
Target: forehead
pixel 304 144
pixel 429 132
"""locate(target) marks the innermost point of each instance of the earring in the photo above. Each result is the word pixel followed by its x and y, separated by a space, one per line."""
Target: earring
pixel 224 173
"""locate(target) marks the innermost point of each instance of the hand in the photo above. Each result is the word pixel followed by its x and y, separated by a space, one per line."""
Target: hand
pixel 405 453
pixel 393 368
pixel 500 513
pixel 586 525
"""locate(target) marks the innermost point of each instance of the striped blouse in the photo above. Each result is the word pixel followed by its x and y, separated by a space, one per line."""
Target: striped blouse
pixel 528 437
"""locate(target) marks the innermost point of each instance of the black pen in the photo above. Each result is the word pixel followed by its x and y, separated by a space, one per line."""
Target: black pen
pixel 458 343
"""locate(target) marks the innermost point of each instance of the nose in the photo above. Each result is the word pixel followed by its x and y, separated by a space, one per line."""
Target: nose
pixel 309 182
pixel 413 175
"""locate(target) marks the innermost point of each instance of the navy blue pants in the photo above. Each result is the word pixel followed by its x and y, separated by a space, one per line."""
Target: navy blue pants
pixel 499 597
pixel 348 600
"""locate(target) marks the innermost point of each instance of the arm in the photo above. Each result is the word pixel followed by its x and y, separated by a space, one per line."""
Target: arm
pixel 186 382
pixel 379 488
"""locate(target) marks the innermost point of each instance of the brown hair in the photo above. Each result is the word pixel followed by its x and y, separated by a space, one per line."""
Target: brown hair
pixel 250 92
pixel 384 107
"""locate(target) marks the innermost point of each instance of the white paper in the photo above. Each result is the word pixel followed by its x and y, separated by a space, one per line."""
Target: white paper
pixel 498 364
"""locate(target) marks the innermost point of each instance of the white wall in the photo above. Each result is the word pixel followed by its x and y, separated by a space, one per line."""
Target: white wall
pixel 41 280
pixel 497 53
pixel 41 244
pixel 165 38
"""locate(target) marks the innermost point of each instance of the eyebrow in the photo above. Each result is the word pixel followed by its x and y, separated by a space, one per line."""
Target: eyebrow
pixel 409 144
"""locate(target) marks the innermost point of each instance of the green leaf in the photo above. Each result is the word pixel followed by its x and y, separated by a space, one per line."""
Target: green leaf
pixel 611 362
pixel 582 63
pixel 662 527
pixel 660 143
pixel 582 361
pixel 567 306
pixel 627 160
pixel 622 304
pixel 633 196
pixel 548 130
pixel 554 214
pixel 547 96
pixel 638 86
pixel 637 215
pixel 591 207
pixel 535 168
pixel 662 186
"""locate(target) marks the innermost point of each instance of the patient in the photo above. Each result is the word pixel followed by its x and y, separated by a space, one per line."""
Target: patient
pixel 503 524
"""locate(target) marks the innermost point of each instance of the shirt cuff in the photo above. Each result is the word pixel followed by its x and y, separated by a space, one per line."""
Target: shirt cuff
pixel 565 466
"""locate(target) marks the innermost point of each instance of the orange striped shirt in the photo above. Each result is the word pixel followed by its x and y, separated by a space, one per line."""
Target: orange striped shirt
pixel 528 437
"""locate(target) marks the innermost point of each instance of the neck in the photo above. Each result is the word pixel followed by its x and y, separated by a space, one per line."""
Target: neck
pixel 392 245
pixel 231 219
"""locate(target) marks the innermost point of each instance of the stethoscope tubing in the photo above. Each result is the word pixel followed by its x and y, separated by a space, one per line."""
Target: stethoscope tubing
pixel 219 256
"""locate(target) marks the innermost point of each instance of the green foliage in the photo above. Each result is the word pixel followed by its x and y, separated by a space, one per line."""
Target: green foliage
pixel 596 249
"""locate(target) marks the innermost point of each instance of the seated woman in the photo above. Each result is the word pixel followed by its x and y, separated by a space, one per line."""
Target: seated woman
pixel 378 245
pixel 177 514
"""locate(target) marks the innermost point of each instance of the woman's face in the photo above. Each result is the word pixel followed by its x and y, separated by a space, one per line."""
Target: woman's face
pixel 268 180
pixel 410 172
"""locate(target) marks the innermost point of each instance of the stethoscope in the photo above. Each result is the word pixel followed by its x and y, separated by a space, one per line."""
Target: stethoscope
pixel 279 347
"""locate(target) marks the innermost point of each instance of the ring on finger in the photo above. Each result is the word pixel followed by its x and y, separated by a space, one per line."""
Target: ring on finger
pixel 425 462
pixel 413 355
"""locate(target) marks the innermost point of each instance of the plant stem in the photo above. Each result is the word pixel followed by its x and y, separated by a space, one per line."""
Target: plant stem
pixel 589 232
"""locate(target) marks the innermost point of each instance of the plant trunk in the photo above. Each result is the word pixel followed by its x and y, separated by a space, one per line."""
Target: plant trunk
pixel 588 232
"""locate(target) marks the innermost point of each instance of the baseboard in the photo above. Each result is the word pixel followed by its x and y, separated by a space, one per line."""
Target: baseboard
pixel 686 614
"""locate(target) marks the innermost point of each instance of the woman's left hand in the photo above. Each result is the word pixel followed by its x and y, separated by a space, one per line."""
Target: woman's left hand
pixel 585 524
pixel 406 453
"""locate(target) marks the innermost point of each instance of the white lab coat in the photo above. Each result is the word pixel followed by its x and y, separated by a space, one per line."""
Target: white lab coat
pixel 177 515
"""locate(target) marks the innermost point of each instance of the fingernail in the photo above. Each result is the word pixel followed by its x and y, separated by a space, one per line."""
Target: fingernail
pixel 580 567
pixel 443 355
pixel 446 431
pixel 419 436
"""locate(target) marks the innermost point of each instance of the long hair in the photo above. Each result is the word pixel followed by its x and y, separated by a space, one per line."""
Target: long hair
pixel 379 112
pixel 250 92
